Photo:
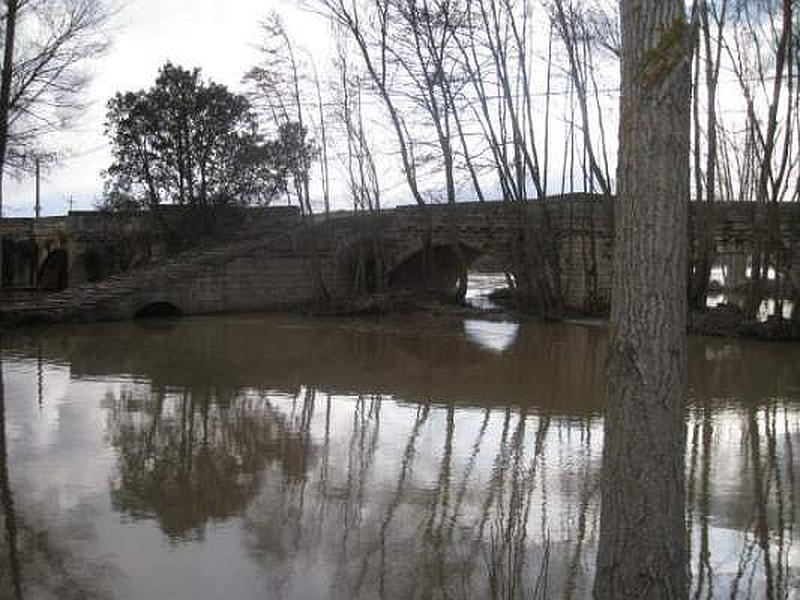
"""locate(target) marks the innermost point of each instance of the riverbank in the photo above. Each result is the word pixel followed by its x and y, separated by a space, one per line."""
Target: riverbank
pixel 730 321
pixel 721 321
pixel 500 306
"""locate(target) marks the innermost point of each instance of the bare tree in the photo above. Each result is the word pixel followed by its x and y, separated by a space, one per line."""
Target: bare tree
pixel 572 27
pixel 760 50
pixel 41 86
pixel 359 160
pixel 642 551
pixel 708 54
pixel 277 91
pixel 12 8
pixel 497 61
pixel 422 38
pixel 369 24
pixel 324 162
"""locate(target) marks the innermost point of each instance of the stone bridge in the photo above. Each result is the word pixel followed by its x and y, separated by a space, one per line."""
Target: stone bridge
pixel 277 260
pixel 53 253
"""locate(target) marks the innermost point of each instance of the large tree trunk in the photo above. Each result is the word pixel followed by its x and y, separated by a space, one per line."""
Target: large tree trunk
pixel 643 542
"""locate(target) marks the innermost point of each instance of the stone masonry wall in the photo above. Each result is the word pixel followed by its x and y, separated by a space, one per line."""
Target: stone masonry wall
pixel 266 275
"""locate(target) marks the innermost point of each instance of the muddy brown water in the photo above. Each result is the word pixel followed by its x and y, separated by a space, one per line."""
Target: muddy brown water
pixel 273 456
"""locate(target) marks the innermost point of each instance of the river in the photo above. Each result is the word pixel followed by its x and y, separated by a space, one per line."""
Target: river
pixel 278 456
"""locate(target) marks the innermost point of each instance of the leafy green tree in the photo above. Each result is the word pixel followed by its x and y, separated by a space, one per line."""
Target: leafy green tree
pixel 194 143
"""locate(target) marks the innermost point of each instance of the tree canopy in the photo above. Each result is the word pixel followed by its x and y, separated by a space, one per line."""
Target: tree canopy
pixel 190 142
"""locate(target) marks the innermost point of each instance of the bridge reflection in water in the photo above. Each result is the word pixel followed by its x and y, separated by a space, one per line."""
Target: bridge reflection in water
pixel 258 456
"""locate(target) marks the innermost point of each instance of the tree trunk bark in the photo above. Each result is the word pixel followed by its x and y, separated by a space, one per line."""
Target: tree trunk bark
pixel 642 551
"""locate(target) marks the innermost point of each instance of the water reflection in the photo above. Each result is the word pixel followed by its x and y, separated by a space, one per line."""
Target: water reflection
pixel 480 287
pixel 275 457
pixel 37 560
pixel 744 502
pixel 768 307
pixel 497 336
pixel 11 567
pixel 190 457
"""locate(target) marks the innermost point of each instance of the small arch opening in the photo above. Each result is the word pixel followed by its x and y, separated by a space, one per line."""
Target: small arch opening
pixel 156 310
pixel 20 259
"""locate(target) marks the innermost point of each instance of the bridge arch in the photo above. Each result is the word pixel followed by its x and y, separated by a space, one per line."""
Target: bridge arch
pixel 157 309
pixel 20 262
pixel 53 275
pixel 439 267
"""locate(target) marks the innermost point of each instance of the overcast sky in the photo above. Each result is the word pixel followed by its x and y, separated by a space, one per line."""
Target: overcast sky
pixel 218 36
pixel 221 37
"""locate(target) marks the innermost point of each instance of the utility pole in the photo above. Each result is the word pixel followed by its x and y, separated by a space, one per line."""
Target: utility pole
pixel 38 206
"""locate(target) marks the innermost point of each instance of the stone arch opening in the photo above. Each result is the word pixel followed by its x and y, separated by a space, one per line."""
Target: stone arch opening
pixel 441 269
pixel 54 273
pixel 20 261
pixel 155 310
pixel 732 284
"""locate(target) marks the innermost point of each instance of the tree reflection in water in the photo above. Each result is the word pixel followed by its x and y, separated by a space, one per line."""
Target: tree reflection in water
pixel 414 465
pixel 193 456
pixel 35 560
pixel 368 496
pixel 759 507
pixel 509 509
pixel 10 567
pixel 443 508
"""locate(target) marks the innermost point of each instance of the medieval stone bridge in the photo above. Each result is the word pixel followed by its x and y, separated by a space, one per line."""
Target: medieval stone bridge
pixel 274 259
